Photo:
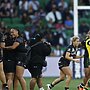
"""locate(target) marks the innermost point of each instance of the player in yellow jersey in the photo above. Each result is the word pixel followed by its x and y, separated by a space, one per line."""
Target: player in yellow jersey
pixel 86 45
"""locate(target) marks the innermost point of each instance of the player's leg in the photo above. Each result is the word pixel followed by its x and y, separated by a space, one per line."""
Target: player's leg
pixel 87 76
pixel 19 75
pixel 40 83
pixel 32 83
pixel 15 83
pixel 56 81
pixel 9 69
pixel 67 71
pixel 2 77
pixel 9 77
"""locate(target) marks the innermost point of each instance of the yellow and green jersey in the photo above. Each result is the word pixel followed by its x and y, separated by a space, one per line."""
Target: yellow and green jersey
pixel 88 47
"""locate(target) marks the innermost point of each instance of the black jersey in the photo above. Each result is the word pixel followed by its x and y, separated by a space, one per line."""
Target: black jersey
pixel 21 50
pixel 72 50
pixel 1 51
pixel 1 37
pixel 9 54
pixel 39 52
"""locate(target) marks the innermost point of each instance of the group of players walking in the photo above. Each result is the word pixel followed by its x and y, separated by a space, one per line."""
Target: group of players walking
pixel 13 52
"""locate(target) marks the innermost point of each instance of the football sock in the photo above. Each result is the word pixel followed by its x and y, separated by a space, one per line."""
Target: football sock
pixel 5 87
pixel 66 88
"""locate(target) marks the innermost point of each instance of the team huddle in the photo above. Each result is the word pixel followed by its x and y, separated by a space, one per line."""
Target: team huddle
pixel 16 56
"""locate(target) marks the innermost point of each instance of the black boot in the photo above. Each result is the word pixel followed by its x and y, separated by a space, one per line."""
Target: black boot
pixel 5 87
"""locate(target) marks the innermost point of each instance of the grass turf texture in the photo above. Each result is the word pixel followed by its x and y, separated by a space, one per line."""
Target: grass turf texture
pixel 73 85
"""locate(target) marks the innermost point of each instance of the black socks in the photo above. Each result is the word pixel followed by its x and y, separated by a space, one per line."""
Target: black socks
pixel 5 87
pixel 66 88
pixel 51 86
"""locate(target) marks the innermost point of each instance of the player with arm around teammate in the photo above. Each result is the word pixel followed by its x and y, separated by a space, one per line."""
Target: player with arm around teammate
pixel 9 61
pixel 20 52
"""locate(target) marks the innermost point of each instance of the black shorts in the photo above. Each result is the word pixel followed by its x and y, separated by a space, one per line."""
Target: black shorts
pixel 9 66
pixel 62 63
pixel 35 70
pixel 20 63
pixel 1 58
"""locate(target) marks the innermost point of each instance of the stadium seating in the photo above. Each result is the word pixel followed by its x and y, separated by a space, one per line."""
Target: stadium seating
pixel 21 27
pixel 69 33
pixel 16 20
pixel 7 20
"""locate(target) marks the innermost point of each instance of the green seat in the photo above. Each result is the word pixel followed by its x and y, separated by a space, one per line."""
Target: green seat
pixel 88 21
pixel 69 33
pixel 0 19
pixel 43 3
pixel 83 20
pixel 16 20
pixel 21 27
pixel 7 20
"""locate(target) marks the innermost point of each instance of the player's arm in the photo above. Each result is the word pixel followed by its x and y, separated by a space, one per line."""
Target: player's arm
pixel 14 46
pixel 67 56
pixel 79 56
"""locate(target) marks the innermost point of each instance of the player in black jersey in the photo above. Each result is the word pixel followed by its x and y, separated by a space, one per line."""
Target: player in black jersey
pixel 20 52
pixel 69 55
pixel 2 75
pixel 9 61
pixel 39 51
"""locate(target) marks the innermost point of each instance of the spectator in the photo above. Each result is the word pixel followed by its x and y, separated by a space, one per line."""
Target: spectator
pixel 55 38
pixel 83 28
pixel 27 34
pixel 31 12
pixel 54 16
pixel 84 2
pixel 68 23
pixel 23 6
pixel 4 9
pixel 25 19
pixel 58 51
pixel 13 10
pixel 48 6
pixel 66 13
pixel 42 13
pixel 34 4
pixel 63 3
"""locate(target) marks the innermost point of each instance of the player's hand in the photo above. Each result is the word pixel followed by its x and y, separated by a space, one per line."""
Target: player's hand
pixel 76 60
pixel 3 45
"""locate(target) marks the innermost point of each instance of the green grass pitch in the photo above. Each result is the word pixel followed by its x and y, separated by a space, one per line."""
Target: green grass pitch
pixel 60 86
